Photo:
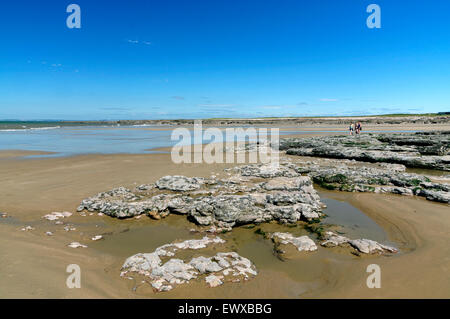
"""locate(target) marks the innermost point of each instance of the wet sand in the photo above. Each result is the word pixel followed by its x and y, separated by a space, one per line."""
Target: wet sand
pixel 420 228
pixel 19 154
pixel 32 264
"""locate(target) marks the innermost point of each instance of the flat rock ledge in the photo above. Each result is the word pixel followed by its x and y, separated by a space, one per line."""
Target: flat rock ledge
pixel 179 183
pixel 165 275
pixel 329 239
pixel 385 178
pixel 252 194
pixel 302 243
pixel 421 150
pixel 365 246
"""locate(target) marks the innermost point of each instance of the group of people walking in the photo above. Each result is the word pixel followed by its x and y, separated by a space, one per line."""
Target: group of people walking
pixel 356 128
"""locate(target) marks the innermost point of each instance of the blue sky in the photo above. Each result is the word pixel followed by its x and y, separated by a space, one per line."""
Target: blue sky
pixel 222 58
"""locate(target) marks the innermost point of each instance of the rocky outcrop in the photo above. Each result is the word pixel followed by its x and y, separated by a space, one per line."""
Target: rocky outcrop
pixel 329 239
pixel 243 198
pixel 179 183
pixel 164 275
pixel 267 170
pixel 365 246
pixel 350 177
pixel 422 150
pixel 124 203
pixel 426 143
pixel 302 243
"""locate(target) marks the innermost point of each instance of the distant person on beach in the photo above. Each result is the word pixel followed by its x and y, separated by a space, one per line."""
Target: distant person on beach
pixel 358 128
pixel 351 128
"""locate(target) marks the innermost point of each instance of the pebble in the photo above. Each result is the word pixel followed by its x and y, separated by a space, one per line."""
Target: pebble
pixel 76 245
pixel 57 215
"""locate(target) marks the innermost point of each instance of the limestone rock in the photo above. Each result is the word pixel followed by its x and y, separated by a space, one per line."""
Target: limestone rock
pixel 164 276
pixel 267 170
pixel 76 244
pixel 420 150
pixel 56 215
pixel 179 183
pixel 205 265
pixel 285 196
pixel 350 177
pixel 368 246
pixel 303 243
pixel 365 246
pixel 214 281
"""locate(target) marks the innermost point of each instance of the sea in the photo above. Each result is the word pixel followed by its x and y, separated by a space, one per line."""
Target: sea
pixel 68 139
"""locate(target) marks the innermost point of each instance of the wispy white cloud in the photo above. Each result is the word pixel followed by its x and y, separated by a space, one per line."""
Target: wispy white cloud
pixel 139 42
pixel 176 97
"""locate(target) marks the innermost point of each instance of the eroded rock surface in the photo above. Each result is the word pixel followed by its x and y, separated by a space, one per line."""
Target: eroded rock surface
pixel 179 183
pixel 254 194
pixel 423 149
pixel 302 243
pixel 164 274
pixel 386 178
pixel 365 246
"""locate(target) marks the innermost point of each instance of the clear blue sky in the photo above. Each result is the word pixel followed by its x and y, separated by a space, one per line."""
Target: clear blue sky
pixel 222 58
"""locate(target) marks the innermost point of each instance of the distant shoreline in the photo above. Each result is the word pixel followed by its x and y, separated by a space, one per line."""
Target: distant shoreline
pixel 434 118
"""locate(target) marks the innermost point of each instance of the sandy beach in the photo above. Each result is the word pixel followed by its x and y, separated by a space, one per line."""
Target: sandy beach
pixel 33 265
